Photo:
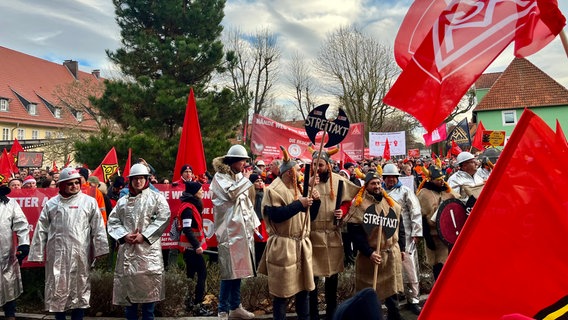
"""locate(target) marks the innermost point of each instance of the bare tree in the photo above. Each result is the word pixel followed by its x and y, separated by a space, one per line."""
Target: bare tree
pixel 303 83
pixel 467 102
pixel 360 72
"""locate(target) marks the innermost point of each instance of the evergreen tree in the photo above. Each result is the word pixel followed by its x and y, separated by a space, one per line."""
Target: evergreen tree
pixel 168 47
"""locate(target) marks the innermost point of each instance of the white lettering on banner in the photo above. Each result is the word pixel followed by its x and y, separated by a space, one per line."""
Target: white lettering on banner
pixel 176 194
pixel 207 194
pixel 32 202
pixel 370 218
pixel 264 122
pixel 166 194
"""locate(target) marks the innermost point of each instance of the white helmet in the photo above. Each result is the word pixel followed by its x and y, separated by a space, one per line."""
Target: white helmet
pixel 68 174
pixel 464 156
pixel 138 170
pixel 237 151
pixel 390 170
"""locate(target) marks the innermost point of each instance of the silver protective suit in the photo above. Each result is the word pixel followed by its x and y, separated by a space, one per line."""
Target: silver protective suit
pixel 12 220
pixel 235 221
pixel 71 233
pixel 462 178
pixel 139 275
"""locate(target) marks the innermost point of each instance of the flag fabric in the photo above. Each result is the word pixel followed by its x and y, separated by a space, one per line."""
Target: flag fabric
pixel 522 269
pixel 54 167
pixel 455 149
pixel 5 167
pixel 108 166
pixel 387 150
pixel 560 134
pixel 68 162
pixel 440 65
pixel 126 171
pixel 16 148
pixel 190 148
pixel 478 138
pixel 346 158
pixel 460 135
pixel 436 135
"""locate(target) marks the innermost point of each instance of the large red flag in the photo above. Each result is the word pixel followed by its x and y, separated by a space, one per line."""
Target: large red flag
pixel 455 150
pixel 478 138
pixel 190 149
pixel 108 166
pixel 462 41
pixel 5 167
pixel 126 171
pixel 387 150
pixel 16 148
pixel 560 134
pixel 520 227
pixel 68 162
pixel 437 135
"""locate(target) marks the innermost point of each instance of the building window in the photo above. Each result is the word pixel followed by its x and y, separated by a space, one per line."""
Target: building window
pixel 3 104
pixel 48 134
pixel 509 117
pixel 79 116
pixel 57 113
pixel 32 108
pixel 21 134
pixel 5 134
pixel 60 135
pixel 35 134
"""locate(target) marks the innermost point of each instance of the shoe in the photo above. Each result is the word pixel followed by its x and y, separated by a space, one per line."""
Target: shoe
pixel 414 308
pixel 201 310
pixel 240 313
pixel 223 316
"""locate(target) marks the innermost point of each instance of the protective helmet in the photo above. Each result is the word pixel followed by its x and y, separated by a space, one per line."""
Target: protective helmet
pixel 492 154
pixel 464 156
pixel 138 170
pixel 390 170
pixel 68 174
pixel 237 151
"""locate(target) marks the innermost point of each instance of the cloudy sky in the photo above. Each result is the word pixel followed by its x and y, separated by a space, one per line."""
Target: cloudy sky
pixel 82 30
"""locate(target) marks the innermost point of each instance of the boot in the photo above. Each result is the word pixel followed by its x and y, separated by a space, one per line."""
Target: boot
pixel 202 311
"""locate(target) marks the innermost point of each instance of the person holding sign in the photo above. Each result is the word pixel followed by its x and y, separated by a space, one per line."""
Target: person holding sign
pixel 374 224
pixel 431 193
pixel 285 211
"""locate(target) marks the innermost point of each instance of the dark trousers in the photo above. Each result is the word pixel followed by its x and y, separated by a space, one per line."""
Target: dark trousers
pixel 302 306
pixel 131 311
pixel 330 297
pixel 10 308
pixel 348 249
pixel 195 264
pixel 76 314
pixel 258 251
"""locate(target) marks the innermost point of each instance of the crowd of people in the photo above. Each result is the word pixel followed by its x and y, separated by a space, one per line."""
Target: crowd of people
pixel 298 223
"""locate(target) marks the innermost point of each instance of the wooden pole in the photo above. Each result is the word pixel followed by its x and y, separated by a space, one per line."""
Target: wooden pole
pixel 378 250
pixel 564 40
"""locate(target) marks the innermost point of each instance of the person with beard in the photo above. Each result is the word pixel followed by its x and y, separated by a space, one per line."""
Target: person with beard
pixel 256 198
pixel 12 220
pixel 68 235
pixel 431 192
pixel 288 257
pixel 386 254
pixel 325 235
pixel 192 242
pixel 137 223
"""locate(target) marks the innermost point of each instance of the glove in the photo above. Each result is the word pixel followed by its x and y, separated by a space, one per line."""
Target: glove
pixel 22 252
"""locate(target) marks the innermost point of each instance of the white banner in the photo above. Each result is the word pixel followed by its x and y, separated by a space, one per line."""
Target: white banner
pixel 397 143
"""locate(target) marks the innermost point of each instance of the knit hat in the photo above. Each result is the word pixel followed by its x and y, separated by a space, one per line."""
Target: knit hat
pixel 348 165
pixel 84 172
pixel 192 187
pixel 185 167
pixel 254 177
pixel 287 162
pixel 118 182
pixel 94 180
pixel 29 179
pixel 370 176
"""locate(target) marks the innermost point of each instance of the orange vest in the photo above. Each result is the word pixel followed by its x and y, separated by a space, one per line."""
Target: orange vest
pixel 198 233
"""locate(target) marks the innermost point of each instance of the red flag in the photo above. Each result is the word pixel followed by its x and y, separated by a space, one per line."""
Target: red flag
pixel 522 270
pixel 346 158
pixel 126 171
pixel 455 51
pixel 437 135
pixel 455 150
pixel 5 167
pixel 387 150
pixel 54 167
pixel 478 138
pixel 108 166
pixel 190 149
pixel 16 148
pixel 560 133
pixel 68 162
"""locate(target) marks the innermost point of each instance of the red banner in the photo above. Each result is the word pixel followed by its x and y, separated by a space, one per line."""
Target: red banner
pixel 32 200
pixel 268 135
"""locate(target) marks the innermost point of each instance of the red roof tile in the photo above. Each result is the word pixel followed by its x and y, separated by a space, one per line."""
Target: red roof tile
pixel 522 85
pixel 32 78
pixel 486 80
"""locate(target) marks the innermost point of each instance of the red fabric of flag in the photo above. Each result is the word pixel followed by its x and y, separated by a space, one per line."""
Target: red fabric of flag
pixel 560 134
pixel 465 38
pixel 455 150
pixel 68 162
pixel 16 148
pixel 478 138
pixel 190 149
pixel 509 256
pixel 108 166
pixel 54 167
pixel 126 171
pixel 5 167
pixel 387 150
pixel 436 135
